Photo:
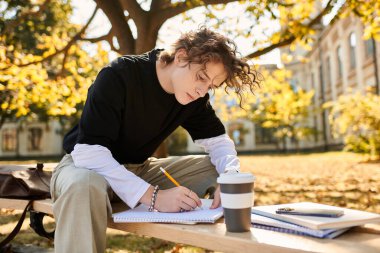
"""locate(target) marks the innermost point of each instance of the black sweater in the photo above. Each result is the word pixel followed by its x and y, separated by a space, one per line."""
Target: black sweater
pixel 128 112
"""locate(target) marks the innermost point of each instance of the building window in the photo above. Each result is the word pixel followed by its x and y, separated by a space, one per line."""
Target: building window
pixel 34 138
pixel 9 140
pixel 352 50
pixel 264 135
pixel 237 131
pixel 328 73
pixel 313 86
pixel 321 83
pixel 313 82
pixel 294 83
pixel 369 47
pixel 339 61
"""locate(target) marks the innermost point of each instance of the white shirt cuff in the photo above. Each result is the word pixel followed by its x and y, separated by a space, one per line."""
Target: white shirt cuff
pixel 129 187
pixel 222 152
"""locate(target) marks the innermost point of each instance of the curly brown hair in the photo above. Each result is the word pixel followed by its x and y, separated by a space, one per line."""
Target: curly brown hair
pixel 203 46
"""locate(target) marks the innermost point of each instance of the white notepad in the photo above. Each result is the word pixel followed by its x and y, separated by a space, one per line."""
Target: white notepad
pixel 141 214
pixel 350 218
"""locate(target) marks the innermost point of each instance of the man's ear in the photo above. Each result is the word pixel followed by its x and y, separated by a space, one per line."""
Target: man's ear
pixel 180 56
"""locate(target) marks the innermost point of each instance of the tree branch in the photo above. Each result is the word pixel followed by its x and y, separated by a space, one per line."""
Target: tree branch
pixel 284 4
pixel 3 112
pixel 63 62
pixel 338 13
pixel 162 15
pixel 75 38
pixel 11 24
pixel 326 10
pixel 290 39
pixel 271 47
pixel 155 5
pixel 84 28
pixel 101 38
pixel 134 9
pixel 115 14
pixel 271 12
pixel 107 37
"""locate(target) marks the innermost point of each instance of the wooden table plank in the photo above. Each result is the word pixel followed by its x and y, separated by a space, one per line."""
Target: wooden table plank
pixel 44 206
pixel 17 204
pixel 215 237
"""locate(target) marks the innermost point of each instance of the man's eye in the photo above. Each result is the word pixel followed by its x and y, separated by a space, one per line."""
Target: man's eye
pixel 201 78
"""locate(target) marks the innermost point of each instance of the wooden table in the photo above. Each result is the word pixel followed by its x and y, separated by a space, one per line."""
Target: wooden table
pixel 365 239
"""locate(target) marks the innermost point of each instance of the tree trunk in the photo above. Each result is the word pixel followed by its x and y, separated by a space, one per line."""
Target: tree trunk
pixel 2 121
pixel 296 142
pixel 18 130
pixel 284 144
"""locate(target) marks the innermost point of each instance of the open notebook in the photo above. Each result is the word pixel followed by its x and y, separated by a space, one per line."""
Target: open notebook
pixel 141 214
pixel 350 218
pixel 263 222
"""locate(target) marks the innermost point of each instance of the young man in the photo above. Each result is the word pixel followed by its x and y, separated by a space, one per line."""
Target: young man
pixel 132 106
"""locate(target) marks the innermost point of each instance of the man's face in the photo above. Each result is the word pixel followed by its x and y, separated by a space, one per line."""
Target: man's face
pixel 190 82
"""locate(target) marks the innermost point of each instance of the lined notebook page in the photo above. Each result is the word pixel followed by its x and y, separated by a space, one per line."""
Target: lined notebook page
pixel 141 214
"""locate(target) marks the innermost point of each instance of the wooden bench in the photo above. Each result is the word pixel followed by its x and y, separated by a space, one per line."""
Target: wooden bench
pixel 215 237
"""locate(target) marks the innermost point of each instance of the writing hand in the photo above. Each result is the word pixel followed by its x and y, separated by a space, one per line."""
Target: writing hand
pixel 177 198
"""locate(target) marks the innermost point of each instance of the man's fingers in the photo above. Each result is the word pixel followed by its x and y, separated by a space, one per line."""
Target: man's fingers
pixel 195 197
pixel 216 202
pixel 190 203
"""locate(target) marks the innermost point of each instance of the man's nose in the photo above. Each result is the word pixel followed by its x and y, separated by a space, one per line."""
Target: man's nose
pixel 202 91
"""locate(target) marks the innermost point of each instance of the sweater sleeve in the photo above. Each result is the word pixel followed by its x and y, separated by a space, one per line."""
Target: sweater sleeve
pixel 101 118
pixel 129 187
pixel 222 153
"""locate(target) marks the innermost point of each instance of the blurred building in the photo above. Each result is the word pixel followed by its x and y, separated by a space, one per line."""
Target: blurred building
pixel 340 62
pixel 30 139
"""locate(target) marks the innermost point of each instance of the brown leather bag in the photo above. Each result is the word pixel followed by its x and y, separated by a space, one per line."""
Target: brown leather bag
pixel 23 182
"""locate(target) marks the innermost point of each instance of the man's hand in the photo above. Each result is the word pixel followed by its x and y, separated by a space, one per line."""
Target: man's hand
pixel 216 202
pixel 177 199
pixel 173 200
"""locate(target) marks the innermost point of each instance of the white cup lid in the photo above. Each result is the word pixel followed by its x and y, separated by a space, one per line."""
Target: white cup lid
pixel 236 178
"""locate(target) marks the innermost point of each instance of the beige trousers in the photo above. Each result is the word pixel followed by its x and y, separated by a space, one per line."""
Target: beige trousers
pixel 82 198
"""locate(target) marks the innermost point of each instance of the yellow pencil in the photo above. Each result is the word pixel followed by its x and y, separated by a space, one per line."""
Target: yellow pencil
pixel 170 177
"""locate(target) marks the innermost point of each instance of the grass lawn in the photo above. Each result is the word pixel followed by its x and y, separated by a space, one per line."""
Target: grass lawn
pixel 341 179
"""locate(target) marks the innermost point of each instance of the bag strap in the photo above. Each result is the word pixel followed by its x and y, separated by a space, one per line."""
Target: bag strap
pixel 17 227
pixel 36 222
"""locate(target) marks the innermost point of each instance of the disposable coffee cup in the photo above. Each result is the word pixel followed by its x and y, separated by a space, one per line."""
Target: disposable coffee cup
pixel 237 196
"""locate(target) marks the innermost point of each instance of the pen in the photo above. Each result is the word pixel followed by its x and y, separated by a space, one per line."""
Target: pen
pixel 311 212
pixel 170 177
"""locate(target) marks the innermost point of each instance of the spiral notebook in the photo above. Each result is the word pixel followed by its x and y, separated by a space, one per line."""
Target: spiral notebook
pixel 200 215
pixel 263 222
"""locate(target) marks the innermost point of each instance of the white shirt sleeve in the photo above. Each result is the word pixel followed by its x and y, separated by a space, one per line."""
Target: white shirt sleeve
pixel 129 187
pixel 222 152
